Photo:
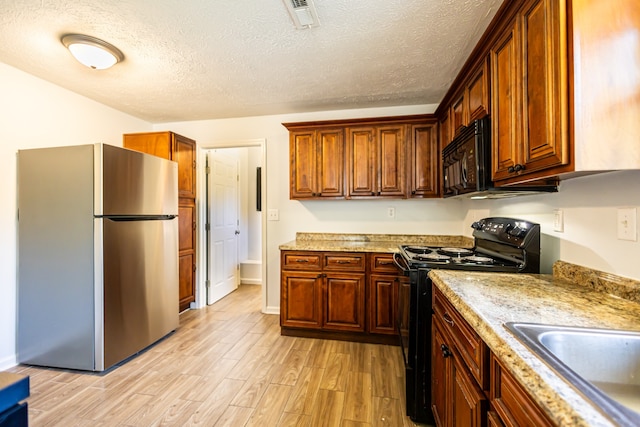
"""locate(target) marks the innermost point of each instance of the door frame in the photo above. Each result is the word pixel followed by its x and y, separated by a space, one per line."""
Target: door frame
pixel 201 294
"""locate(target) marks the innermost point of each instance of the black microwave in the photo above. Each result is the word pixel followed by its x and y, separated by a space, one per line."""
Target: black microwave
pixel 466 166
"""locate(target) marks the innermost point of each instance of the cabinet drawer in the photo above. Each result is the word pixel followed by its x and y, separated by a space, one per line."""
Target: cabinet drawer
pixel 301 260
pixel 344 261
pixel 470 346
pixel 383 263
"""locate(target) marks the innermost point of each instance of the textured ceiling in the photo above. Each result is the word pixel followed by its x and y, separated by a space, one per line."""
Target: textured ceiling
pixel 207 59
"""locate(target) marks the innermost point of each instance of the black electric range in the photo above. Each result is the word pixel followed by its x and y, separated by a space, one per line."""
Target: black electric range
pixel 501 245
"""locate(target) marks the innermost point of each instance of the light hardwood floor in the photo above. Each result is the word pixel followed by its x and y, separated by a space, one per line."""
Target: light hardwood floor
pixel 228 365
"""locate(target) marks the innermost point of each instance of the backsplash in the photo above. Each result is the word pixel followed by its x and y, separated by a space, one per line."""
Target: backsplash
pixel 600 281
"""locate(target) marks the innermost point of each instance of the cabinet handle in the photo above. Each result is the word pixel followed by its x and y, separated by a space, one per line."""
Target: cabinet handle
pixel 385 262
pixel 516 168
pixel 302 260
pixel 447 319
pixel 373 193
pixel 343 261
pixel 445 351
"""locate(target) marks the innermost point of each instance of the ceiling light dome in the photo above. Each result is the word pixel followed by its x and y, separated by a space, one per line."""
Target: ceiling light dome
pixel 92 52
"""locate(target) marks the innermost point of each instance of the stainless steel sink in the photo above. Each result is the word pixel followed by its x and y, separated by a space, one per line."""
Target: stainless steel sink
pixel 603 364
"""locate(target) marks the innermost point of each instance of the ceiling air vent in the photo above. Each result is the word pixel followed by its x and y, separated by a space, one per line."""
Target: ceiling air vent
pixel 303 13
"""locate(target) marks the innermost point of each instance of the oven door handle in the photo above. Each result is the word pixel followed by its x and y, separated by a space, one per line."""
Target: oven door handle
pixel 401 263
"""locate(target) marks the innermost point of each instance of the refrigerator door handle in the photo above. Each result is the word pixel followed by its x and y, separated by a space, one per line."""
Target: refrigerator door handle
pixel 137 217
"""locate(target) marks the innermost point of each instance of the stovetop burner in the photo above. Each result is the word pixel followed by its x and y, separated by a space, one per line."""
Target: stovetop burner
pixel 456 252
pixel 432 256
pixel 419 249
pixel 476 259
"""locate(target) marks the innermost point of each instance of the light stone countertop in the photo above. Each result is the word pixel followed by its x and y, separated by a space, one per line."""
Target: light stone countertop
pixel 488 300
pixel 385 243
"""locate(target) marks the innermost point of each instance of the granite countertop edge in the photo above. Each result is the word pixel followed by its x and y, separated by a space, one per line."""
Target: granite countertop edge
pixel 382 243
pixel 488 300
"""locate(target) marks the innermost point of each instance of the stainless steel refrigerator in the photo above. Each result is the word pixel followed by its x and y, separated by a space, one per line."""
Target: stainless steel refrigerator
pixel 97 255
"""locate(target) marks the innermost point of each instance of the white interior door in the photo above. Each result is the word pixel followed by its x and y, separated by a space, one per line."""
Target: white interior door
pixel 224 225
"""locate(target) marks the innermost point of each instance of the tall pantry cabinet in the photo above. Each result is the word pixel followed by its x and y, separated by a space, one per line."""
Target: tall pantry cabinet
pixel 182 150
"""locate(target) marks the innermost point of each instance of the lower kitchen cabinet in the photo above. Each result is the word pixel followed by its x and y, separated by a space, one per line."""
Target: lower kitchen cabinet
pixel 477 393
pixel 346 295
pixel 457 400
pixel 344 301
pixel 301 301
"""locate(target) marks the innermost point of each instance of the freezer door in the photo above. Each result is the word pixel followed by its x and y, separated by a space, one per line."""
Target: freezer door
pixel 140 272
pixel 128 182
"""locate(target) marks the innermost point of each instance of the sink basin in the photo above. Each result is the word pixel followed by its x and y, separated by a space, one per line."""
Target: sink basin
pixel 603 364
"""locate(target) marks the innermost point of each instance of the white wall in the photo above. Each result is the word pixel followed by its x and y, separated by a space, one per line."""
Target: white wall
pixel 589 205
pixel 33 114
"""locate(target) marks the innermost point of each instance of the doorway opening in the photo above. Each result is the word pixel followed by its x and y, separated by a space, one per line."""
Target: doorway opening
pixel 233 235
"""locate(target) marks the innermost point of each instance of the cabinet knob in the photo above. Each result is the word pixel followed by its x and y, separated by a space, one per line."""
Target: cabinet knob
pixel 518 167
pixel 445 351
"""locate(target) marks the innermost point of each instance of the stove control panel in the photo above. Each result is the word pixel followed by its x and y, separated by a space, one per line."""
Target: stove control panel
pixel 505 230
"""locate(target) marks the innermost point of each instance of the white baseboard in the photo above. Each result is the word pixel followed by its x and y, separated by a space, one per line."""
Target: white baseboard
pixel 272 310
pixel 8 362
pixel 250 281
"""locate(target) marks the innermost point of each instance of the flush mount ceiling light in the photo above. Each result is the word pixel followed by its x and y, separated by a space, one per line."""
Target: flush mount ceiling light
pixel 92 52
pixel 303 13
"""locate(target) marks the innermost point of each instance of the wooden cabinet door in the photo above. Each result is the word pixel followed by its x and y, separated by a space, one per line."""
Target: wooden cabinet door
pixel 458 114
pixel 184 153
pixel 469 402
pixel 186 251
pixel 344 299
pixel 391 160
pixel 155 143
pixel 186 279
pixel 362 162
pixel 511 402
pixel 425 167
pixel 383 300
pixel 445 129
pixel 301 299
pixel 505 112
pixel 303 163
pixel 440 375
pixel 477 96
pixel 544 93
pixel 330 167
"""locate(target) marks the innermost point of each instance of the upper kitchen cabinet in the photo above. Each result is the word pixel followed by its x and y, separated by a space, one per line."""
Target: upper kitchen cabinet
pixel 424 168
pixel 376 161
pixel 317 163
pixel 529 93
pixel 393 157
pixel 606 84
pixel 171 146
pixel 470 100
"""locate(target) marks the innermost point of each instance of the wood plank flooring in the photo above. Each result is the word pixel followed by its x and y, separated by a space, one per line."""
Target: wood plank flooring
pixel 228 365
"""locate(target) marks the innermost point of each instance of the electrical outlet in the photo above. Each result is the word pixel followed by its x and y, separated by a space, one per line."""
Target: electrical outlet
pixel 391 212
pixel 627 224
pixel 273 215
pixel 558 220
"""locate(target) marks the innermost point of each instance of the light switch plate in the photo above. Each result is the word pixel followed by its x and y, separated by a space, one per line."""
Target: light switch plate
pixel 627 227
pixel 273 215
pixel 558 220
